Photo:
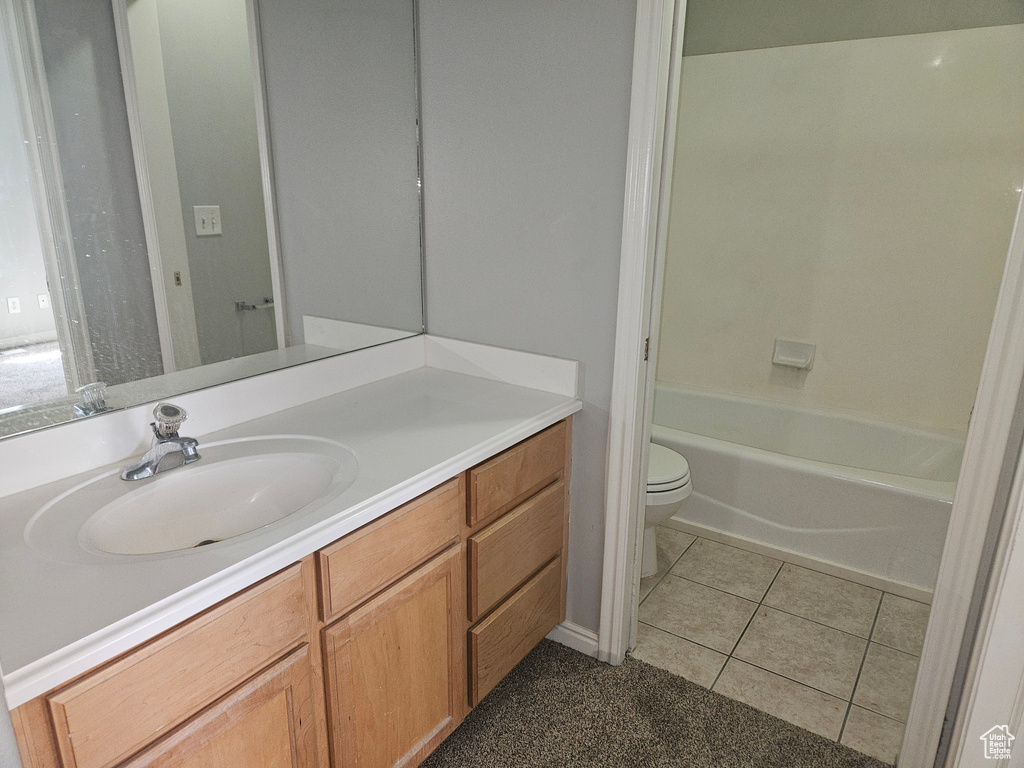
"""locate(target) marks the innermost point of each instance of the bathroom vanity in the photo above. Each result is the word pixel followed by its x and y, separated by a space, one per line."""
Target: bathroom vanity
pixel 356 632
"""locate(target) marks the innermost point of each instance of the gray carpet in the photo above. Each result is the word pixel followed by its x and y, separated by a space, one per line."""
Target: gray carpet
pixel 559 708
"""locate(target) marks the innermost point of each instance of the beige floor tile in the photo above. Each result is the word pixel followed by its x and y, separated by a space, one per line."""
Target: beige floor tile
pixel 697 613
pixel 732 570
pixel 646 585
pixel 876 736
pixel 826 599
pixel 792 702
pixel 812 654
pixel 671 544
pixel 886 682
pixel 901 624
pixel 680 657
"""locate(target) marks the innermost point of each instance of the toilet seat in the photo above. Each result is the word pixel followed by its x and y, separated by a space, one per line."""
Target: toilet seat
pixel 666 470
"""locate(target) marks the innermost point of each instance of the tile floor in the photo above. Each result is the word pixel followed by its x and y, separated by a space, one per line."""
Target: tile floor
pixel 826 654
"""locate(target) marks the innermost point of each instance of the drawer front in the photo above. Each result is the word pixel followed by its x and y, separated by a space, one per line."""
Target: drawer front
pixel 510 478
pixel 364 562
pixel 106 716
pixel 267 722
pixel 506 553
pixel 500 641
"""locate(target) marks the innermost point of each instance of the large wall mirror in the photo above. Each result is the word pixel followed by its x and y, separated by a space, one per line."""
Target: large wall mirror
pixel 193 191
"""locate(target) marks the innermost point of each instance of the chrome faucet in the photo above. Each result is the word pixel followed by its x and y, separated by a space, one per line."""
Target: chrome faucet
pixel 168 450
pixel 93 399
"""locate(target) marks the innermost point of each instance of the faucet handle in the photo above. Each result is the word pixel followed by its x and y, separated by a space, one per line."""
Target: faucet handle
pixel 168 418
pixel 93 399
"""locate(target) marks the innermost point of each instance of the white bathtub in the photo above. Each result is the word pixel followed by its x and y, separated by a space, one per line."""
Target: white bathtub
pixel 858 496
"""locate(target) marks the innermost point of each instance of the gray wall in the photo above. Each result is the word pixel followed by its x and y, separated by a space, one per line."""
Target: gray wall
pixel 716 26
pixel 84 76
pixel 525 113
pixel 341 94
pixel 208 69
pixel 22 273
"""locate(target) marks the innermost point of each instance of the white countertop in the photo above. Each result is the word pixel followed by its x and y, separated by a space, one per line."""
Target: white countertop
pixel 409 431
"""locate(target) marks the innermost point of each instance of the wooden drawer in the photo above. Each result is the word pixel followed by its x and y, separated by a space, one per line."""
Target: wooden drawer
pixel 266 722
pixel 513 476
pixel 500 641
pixel 509 551
pixel 107 715
pixel 364 562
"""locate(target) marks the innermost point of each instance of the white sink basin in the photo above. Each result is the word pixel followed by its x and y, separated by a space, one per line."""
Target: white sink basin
pixel 237 487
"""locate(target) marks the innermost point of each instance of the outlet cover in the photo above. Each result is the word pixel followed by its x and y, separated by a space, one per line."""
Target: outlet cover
pixel 207 220
pixel 14 305
pixel 44 300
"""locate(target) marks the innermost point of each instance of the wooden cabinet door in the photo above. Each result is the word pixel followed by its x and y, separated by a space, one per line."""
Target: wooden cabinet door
pixel 396 674
pixel 266 722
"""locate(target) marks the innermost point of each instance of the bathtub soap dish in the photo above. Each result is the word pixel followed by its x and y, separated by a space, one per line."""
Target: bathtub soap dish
pixel 793 354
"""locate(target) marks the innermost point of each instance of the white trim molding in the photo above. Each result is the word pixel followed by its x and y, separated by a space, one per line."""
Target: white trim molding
pixel 655 22
pixel 576 637
pixel 252 13
pixel 184 354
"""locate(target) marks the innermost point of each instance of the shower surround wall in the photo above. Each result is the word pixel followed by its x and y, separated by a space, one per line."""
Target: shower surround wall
pixel 855 194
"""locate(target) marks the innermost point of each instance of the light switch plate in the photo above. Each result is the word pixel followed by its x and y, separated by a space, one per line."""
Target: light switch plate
pixel 14 305
pixel 207 220
pixel 44 300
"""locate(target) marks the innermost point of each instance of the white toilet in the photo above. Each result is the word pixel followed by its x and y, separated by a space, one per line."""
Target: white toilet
pixel 668 483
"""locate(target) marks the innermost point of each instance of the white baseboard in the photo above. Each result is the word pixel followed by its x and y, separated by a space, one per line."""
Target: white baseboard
pixel 576 637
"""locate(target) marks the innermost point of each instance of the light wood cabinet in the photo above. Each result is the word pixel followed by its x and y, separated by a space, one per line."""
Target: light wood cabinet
pixel 267 722
pixel 111 713
pixel 519 516
pixel 396 669
pixel 507 553
pixel 503 639
pixel 512 476
pixel 366 654
pixel 203 687
pixel 364 562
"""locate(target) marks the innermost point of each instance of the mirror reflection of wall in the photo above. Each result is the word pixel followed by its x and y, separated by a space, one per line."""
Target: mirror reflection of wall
pixel 343 106
pixel 175 255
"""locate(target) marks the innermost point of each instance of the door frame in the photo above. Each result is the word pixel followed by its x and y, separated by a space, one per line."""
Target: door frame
pixel 252 14
pixel 993 439
pixel 657 58
pixel 187 349
pixel 994 689
pixel 21 38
